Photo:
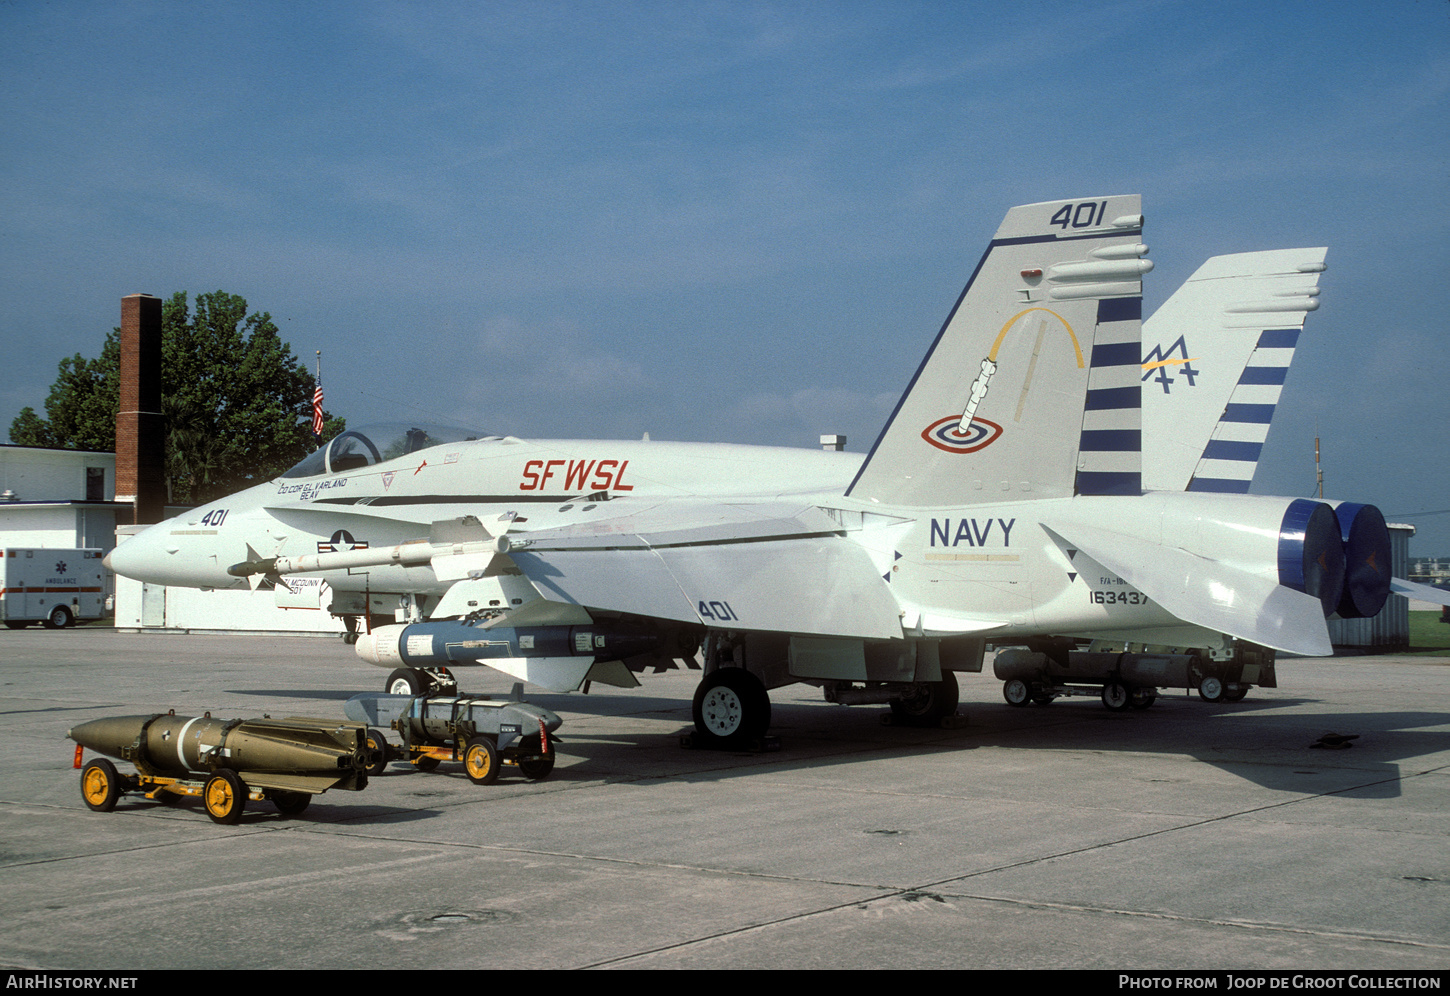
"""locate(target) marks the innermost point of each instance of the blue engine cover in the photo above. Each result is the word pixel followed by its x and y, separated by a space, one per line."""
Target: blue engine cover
pixel 1311 554
pixel 1366 559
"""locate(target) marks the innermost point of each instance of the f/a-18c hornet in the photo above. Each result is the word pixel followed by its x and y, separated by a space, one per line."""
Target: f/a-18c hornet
pixel 1002 504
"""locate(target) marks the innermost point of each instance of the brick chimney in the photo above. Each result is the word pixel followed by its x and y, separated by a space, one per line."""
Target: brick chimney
pixel 140 428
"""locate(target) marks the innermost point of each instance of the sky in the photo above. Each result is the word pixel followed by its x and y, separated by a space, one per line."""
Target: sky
pixel 734 221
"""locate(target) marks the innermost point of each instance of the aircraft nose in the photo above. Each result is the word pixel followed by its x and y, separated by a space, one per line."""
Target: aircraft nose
pixel 139 557
pixel 165 554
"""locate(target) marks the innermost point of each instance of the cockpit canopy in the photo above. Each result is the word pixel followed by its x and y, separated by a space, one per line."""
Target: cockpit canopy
pixel 378 443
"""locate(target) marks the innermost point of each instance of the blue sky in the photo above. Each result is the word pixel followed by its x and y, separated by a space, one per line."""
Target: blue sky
pixel 721 221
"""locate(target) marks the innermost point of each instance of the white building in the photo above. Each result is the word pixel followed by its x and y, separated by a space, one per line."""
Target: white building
pixel 59 499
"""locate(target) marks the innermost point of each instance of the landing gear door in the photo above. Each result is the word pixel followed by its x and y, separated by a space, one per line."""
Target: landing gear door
pixel 960 653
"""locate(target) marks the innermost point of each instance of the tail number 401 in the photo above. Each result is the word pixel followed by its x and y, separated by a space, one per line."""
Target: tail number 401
pixel 1088 214
pixel 718 611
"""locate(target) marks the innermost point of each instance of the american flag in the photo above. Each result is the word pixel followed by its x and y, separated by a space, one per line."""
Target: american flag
pixel 317 410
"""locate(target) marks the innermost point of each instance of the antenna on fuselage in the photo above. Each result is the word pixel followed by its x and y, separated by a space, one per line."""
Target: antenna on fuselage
pixel 1318 471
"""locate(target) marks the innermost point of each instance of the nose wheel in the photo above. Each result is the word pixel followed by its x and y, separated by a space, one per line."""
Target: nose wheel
pixel 417 681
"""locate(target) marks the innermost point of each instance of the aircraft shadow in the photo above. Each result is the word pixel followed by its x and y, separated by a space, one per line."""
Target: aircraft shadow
pixel 1255 740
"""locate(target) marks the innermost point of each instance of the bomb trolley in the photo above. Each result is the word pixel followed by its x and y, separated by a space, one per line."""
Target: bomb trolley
pixel 484 733
pixel 224 762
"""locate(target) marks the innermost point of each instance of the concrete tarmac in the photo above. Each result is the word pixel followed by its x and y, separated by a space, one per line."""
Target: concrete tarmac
pixel 1188 835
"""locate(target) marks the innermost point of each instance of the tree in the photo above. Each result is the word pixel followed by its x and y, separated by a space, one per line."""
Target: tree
pixel 237 403
pixel 81 406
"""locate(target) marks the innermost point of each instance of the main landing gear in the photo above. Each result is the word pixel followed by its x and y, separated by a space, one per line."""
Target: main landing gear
pixel 928 703
pixel 731 710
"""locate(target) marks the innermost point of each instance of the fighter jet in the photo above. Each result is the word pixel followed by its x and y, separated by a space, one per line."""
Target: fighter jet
pixel 1002 503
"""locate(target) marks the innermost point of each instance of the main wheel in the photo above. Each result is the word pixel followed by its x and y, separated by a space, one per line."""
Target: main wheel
pixel 1237 694
pixel 1016 692
pixel 291 803
pixel 1116 696
pixel 59 618
pixel 538 769
pixel 1210 689
pixel 377 746
pixel 480 760
pixel 407 681
pixel 1142 698
pixel 101 785
pixel 933 702
pixel 225 796
pixel 731 707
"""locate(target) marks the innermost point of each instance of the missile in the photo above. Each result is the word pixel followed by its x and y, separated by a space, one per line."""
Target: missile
pixel 456 548
pixel 413 553
pixel 285 760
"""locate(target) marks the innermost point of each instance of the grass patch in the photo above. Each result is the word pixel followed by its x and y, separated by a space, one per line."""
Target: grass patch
pixel 1429 637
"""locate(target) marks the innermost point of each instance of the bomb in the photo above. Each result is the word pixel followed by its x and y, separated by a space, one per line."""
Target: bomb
pixel 286 761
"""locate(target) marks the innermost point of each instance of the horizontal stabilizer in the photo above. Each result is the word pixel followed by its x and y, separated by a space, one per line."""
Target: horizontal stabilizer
pixel 1210 594
pixel 1423 592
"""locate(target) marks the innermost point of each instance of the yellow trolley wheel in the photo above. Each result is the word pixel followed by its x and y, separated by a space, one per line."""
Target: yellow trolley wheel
pixel 224 796
pixel 480 760
pixel 377 746
pixel 100 785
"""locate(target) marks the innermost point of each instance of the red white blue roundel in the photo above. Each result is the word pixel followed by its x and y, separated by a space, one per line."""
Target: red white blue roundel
pixel 945 434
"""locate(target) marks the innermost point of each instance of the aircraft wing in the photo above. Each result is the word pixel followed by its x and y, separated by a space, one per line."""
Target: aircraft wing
pixel 1209 594
pixel 749 567
pixel 775 566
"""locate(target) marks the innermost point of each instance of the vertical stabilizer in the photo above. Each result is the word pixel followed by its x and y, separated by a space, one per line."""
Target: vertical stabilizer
pixel 1031 388
pixel 1215 356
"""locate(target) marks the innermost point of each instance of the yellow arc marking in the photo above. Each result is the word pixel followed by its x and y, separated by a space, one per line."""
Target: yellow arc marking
pixel 1011 321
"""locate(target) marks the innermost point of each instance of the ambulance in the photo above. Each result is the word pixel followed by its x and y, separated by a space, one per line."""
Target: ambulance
pixel 54 587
